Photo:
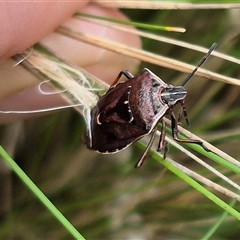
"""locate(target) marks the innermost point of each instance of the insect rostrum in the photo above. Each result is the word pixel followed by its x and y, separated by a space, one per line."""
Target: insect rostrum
pixel 132 109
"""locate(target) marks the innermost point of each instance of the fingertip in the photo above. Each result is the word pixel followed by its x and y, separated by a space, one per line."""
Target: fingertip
pixel 103 63
pixel 25 23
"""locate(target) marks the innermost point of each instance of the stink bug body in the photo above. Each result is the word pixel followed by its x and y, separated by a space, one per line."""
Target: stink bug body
pixel 132 109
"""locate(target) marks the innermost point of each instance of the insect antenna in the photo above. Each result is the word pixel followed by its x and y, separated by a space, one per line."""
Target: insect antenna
pixel 214 45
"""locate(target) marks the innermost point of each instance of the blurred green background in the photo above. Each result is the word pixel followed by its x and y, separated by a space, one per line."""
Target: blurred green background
pixel 104 196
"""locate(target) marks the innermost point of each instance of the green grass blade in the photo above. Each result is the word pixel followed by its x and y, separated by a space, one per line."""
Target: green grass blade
pixel 211 155
pixel 37 192
pixel 213 229
pixel 134 24
pixel 193 183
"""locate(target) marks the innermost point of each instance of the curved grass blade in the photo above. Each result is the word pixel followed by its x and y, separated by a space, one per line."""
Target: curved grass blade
pixel 39 194
pixel 168 163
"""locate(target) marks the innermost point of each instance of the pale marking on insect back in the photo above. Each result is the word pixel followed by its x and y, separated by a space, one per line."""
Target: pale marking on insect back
pixel 132 118
pixel 98 121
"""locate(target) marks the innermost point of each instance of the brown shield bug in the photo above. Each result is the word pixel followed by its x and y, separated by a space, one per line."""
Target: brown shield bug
pixel 132 109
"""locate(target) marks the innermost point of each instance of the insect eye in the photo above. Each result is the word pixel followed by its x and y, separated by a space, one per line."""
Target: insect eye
pixel 155 84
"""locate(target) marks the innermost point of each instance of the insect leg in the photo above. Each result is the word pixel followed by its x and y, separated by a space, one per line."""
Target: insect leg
pixel 144 156
pixel 126 73
pixel 162 137
pixel 182 112
pixel 175 135
pixel 163 144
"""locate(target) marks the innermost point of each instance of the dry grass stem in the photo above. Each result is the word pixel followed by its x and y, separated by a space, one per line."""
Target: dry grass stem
pixel 204 164
pixel 208 145
pixel 145 56
pixel 165 5
pixel 204 180
pixel 163 39
pixel 77 90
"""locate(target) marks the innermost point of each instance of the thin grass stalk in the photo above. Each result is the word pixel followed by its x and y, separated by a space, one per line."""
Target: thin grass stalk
pixel 145 56
pixel 165 5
